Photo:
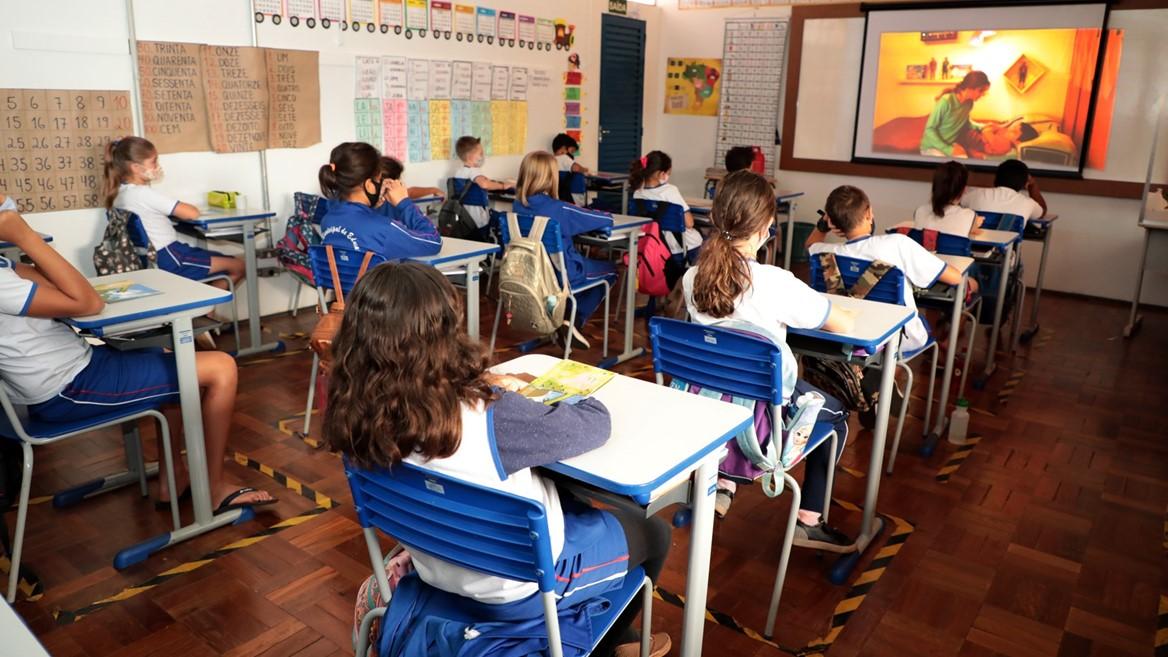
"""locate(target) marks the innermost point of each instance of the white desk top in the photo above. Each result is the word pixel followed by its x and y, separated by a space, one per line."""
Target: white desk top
pixel 657 433
pixel 607 176
pixel 178 294
pixel 875 323
pixel 698 203
pixel 960 263
pixel 454 250
pixel 228 215
pixel 18 639
pixel 425 200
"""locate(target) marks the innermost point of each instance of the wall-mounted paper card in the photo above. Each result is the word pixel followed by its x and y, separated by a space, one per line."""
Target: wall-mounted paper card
pixel 526 28
pixel 362 12
pixel 368 77
pixel 541 78
pixel 481 84
pixel 416 18
pixel 333 10
pixel 395 124
pixel 391 13
pixel 506 25
pixel 441 74
pixel 485 23
pixel 518 89
pixel 463 78
pixel 441 17
pixel 440 143
pixel 395 78
pixel 301 10
pixel 500 82
pixel 237 97
pixel 419 84
pixel 464 20
pixel 545 31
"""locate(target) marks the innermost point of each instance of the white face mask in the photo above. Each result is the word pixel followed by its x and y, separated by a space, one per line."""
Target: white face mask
pixel 153 175
pixel 8 204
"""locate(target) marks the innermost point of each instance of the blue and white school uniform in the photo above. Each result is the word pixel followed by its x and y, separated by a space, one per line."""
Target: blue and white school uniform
pixel 154 211
pixel 574 221
pixel 476 200
pixel 669 193
pixel 393 232
pixel 1001 199
pixel 957 220
pixel 59 376
pixel 565 163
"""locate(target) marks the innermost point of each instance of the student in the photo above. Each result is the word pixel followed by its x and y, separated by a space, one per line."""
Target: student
pixel 354 185
pixel 61 378
pixel 649 179
pixel 537 191
pixel 386 406
pixel 849 211
pixel 565 148
pixel 131 165
pixel 471 156
pixel 739 158
pixel 1006 197
pixel 392 169
pixel 943 213
pixel 728 283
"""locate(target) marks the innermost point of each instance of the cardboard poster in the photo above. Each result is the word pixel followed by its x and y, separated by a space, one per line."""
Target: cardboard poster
pixel 460 88
pixel 416 18
pixel 441 17
pixel 391 14
pixel 693 86
pixel 174 105
pixel 237 97
pixel 52 142
pixel 485 24
pixel 293 98
pixel 464 22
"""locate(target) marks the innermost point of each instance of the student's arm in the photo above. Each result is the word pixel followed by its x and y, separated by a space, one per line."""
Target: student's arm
pixel 689 222
pixel 491 185
pixel 822 228
pixel 579 168
pixel 575 220
pixel 839 320
pixel 422 192
pixel 61 290
pixel 1036 194
pixel 529 434
pixel 950 276
pixel 185 211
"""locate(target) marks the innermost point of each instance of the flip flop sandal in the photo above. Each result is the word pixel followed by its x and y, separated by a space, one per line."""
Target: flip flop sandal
pixel 227 503
pixel 185 495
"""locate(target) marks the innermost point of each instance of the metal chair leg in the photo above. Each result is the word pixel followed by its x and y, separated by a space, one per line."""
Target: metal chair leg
pixel 830 476
pixel 785 555
pixel 607 292
pixel 21 519
pixel 900 416
pixel 495 328
pixel 932 383
pixel 646 617
pixel 311 391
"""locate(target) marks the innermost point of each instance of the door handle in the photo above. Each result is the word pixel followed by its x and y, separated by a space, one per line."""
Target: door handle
pixel 602 133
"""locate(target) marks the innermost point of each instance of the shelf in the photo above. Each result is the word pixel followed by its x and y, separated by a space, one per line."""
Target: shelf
pixel 938 83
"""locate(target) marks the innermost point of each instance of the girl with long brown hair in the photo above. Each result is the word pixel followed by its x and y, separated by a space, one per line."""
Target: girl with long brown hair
pixel 728 283
pixel 943 212
pixel 408 385
pixel 947 131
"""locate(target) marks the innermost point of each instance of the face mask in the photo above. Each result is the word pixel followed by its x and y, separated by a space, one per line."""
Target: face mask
pixel 153 175
pixel 8 204
pixel 376 195
pixel 481 161
pixel 664 178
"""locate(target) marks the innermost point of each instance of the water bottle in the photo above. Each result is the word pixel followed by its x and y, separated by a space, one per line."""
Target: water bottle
pixel 959 422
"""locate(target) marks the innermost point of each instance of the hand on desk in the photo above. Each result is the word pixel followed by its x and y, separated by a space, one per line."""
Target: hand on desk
pixel 840 320
pixel 510 382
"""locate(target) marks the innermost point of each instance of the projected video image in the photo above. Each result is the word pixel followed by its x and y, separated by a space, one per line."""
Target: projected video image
pixel 985 94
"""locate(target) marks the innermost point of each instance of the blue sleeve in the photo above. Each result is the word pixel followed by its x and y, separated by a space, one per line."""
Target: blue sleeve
pixel 412 234
pixel 576 220
pixel 529 434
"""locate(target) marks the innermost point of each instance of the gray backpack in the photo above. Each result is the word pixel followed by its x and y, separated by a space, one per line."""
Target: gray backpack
pixel 116 253
pixel 530 294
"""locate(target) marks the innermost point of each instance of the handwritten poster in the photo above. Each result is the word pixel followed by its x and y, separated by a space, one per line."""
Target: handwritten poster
pixel 395 125
pixel 419 82
pixel 480 124
pixel 518 127
pixel 481 83
pixel 394 78
pixel 464 22
pixel 460 88
pixel 526 31
pixel 418 117
pixel 416 14
pixel 541 78
pixel 53 140
pixel 391 15
pixel 332 12
pixel 362 13
pixel 518 86
pixel 441 19
pixel 302 10
pixel 237 97
pixel 507 26
pixel 485 24
pixel 174 106
pixel 501 127
pixel 293 98
pixel 545 31
pixel 367 119
pixel 440 79
pixel 500 83
pixel 440 141
pixel 368 77
pixel 461 121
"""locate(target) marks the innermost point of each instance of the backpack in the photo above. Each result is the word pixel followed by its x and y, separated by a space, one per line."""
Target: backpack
pixel 529 294
pixel 116 253
pixel 321 340
pixel 453 218
pixel 299 234
pixel 652 259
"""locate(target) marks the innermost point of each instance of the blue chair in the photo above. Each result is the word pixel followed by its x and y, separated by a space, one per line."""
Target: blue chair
pixel 16 425
pixel 141 240
pixel 475 527
pixel 305 206
pixel 348 266
pixel 744 364
pixel 1015 224
pixel 571 184
pixel 1002 221
pixel 553 244
pixel 890 290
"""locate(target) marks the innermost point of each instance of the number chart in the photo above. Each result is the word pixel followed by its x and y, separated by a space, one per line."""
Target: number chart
pixel 53 141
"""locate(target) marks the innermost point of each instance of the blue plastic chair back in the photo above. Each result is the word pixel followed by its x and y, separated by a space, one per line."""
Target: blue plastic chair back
pixel 348 265
pixel 947 244
pixel 670 217
pixel 472 526
pixel 553 239
pixel 890 289
pixel 572 182
pixel 727 360
pixel 1002 221
pixel 138 236
pixel 476 196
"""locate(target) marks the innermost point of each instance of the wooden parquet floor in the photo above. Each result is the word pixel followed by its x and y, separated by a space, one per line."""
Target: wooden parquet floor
pixel 1050 538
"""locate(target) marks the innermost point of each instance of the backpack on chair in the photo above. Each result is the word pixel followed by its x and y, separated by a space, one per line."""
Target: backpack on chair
pixel 453 218
pixel 529 293
pixel 299 234
pixel 116 253
pixel 652 260
pixel 321 340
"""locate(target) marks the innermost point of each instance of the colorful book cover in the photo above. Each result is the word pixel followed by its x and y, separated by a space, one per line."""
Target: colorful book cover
pixel 568 381
pixel 124 291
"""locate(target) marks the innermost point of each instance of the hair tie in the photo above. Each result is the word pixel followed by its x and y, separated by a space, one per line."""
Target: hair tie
pixel 644 161
pixel 727 236
pixel 332 167
pixel 114 143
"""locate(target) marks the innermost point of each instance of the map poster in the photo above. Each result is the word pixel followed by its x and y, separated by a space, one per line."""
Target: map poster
pixel 693 86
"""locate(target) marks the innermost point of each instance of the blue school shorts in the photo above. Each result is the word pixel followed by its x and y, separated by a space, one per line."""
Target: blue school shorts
pixel 114 381
pixel 595 557
pixel 186 260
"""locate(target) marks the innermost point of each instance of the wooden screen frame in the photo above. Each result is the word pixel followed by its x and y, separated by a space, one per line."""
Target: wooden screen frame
pixel 788 161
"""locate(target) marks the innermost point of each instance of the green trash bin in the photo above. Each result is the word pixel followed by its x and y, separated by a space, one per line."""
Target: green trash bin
pixel 802 232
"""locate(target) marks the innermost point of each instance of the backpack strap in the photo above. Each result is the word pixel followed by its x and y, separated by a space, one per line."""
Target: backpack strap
pixel 461 195
pixel 930 240
pixel 538 226
pixel 904 230
pixel 332 260
pixel 869 279
pixel 364 264
pixel 833 282
pixel 513 225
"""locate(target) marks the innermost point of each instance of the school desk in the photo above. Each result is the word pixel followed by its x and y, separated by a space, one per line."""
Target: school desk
pixel 1038 230
pixel 605 180
pixel 179 301
pixel 877 330
pixel 467 256
pixel 218 224
pixel 13 252
pixel 625 231
pixel 962 264
pixel 1152 221
pixel 18 639
pixel 652 454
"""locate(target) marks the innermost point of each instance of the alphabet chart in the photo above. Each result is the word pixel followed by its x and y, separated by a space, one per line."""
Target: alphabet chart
pixel 53 142
pixel 752 63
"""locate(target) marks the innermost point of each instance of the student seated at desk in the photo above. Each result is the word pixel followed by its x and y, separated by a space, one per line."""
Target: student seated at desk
pixel 409 385
pixel 564 148
pixel 355 216
pixel 392 169
pixel 61 378
pixel 131 166
pixel 943 213
pixel 649 179
pixel 728 283
pixel 537 195
pixel 849 211
pixel 1006 196
pixel 472 157
pixel 739 158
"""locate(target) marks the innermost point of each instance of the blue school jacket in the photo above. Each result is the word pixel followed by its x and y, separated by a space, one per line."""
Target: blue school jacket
pixel 574 220
pixel 392 232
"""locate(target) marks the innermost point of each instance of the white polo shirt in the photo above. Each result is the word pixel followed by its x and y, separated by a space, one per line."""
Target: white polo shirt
pixel 1001 199
pixel 671 194
pixel 479 213
pixel 956 220
pixel 153 208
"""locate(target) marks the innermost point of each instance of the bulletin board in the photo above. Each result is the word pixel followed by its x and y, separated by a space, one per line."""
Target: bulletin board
pixel 752 61
pixel 53 143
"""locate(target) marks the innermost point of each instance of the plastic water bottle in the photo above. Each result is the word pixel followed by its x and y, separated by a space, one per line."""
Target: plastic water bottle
pixel 959 422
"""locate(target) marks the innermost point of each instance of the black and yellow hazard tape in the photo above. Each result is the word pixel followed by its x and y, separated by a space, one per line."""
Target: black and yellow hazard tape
pixel 30 588
pixel 722 619
pixel 958 457
pixel 1008 387
pixel 1162 628
pixel 322 503
pixel 286 427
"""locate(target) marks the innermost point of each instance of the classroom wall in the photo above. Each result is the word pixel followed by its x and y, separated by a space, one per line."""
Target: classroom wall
pixel 1097 242
pixel 83 44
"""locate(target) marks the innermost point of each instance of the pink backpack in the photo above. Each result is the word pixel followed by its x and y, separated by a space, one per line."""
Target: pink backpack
pixel 652 255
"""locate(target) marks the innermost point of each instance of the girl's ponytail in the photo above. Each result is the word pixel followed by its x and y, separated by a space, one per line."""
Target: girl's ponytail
pixel 350 164
pixel 328 181
pixel 118 156
pixel 642 169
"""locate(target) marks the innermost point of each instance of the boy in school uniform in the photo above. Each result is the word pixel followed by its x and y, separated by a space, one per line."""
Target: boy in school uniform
pixel 739 158
pixel 565 149
pixel 472 158
pixel 849 211
pixel 1006 196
